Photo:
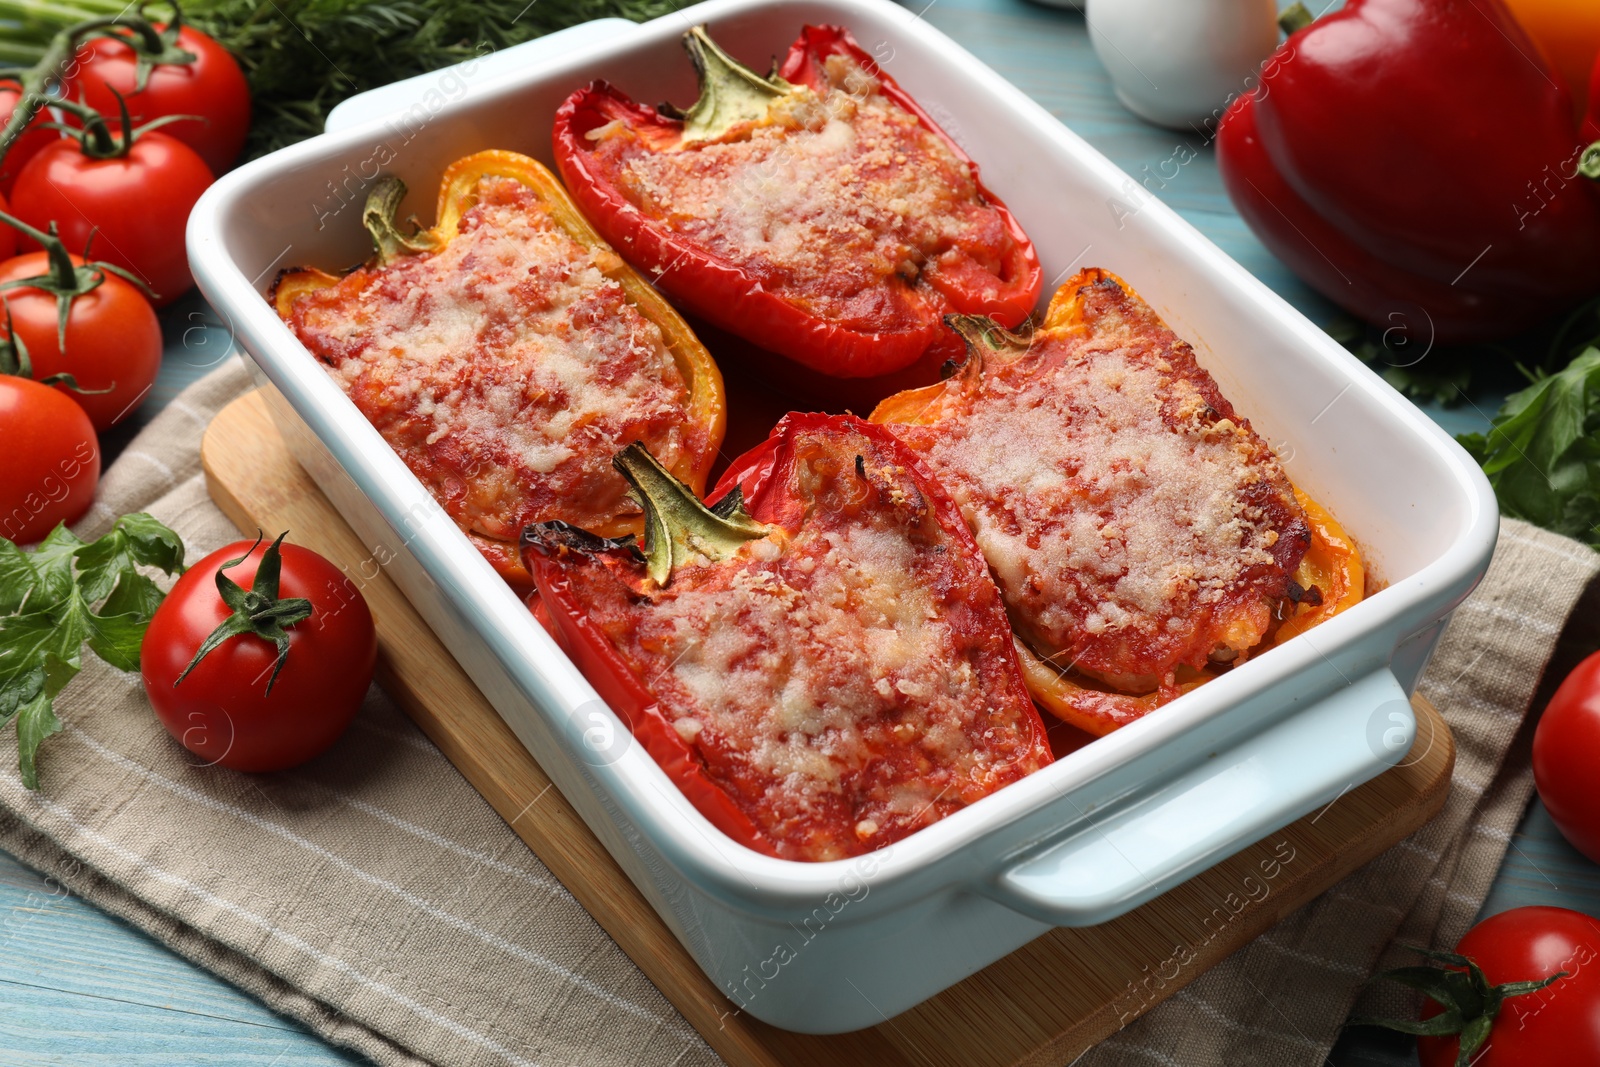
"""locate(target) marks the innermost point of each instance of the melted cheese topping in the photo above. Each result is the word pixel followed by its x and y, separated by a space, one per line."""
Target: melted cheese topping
pixel 833 682
pixel 831 196
pixel 506 369
pixel 1133 525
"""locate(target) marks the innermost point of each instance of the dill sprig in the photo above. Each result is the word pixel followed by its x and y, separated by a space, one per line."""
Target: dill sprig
pixel 304 56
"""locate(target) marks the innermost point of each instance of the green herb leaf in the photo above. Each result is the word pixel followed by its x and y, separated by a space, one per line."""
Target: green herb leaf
pixel 35 722
pixel 304 56
pixel 134 540
pixel 62 594
pixel 1542 452
pixel 1403 363
pixel 134 594
pixel 52 559
pixel 116 639
pixel 16 578
pixel 19 691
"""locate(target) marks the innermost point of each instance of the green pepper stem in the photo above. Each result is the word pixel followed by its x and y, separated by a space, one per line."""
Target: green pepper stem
pixel 730 92
pixel 379 217
pixel 1294 18
pixel 1589 162
pixel 678 527
pixel 983 335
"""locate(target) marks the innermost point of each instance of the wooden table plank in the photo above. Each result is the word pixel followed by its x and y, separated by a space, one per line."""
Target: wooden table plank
pixel 78 987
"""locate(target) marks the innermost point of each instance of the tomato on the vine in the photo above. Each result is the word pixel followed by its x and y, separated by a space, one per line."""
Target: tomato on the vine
pixel 134 198
pixel 113 349
pixel 52 460
pixel 212 88
pixel 260 656
pixel 28 144
pixel 1566 752
pixel 1559 1024
pixel 1522 988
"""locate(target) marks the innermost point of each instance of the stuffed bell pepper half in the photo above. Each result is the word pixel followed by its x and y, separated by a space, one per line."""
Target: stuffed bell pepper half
pixel 507 354
pixel 1144 537
pixel 818 212
pixel 820 659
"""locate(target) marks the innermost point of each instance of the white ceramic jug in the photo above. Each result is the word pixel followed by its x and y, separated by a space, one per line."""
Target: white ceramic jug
pixel 1176 62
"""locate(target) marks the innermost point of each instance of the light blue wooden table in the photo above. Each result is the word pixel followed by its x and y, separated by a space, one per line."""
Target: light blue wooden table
pixel 77 987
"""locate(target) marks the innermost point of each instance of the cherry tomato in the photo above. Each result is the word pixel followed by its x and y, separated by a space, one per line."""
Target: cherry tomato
pixel 33 139
pixel 1566 752
pixel 223 710
pixel 113 339
pixel 137 205
pixel 1559 1024
pixel 212 87
pixel 52 460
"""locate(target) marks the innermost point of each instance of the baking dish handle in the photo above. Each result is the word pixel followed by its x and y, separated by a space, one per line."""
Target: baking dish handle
pixel 1310 758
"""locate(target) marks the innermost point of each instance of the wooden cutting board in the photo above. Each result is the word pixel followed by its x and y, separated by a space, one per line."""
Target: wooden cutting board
pixel 1042 1005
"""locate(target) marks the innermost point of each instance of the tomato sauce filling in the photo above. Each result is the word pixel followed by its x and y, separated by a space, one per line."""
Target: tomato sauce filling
pixel 846 683
pixel 840 202
pixel 1136 524
pixel 505 369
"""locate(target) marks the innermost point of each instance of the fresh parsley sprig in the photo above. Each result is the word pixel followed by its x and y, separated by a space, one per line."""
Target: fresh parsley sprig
pixel 1542 451
pixel 64 593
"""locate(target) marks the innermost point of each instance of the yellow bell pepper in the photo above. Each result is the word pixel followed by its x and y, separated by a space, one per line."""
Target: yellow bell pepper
pixel 705 408
pixel 1568 32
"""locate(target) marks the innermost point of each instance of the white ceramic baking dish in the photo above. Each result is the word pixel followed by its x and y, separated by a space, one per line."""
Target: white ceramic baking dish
pixel 836 946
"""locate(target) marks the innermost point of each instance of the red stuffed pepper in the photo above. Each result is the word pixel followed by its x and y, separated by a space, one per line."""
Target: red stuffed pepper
pixel 817 212
pixel 1144 536
pixel 820 660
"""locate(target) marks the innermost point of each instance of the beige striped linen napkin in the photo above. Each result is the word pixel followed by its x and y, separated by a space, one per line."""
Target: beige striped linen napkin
pixel 375 897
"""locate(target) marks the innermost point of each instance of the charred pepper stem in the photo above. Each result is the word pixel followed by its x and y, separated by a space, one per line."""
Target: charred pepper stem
pixel 983 335
pixel 258 611
pixel 383 204
pixel 679 528
pixel 730 92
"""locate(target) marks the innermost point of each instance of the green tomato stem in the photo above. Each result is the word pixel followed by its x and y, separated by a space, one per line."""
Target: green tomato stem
pixel 38 80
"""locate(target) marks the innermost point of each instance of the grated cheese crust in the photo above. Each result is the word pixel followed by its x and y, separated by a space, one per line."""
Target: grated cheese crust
pixel 506 369
pixel 1135 523
pixel 839 684
pixel 831 197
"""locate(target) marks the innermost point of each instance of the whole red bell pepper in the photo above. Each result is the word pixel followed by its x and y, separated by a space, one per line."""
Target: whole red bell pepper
pixel 1415 161
pixel 845 248
pixel 820 660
